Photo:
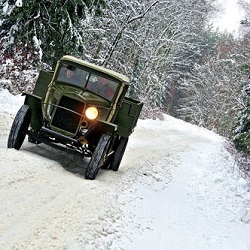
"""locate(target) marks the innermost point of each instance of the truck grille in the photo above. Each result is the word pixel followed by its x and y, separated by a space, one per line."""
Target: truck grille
pixel 64 118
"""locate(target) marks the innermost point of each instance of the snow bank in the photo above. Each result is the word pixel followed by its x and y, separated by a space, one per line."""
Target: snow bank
pixel 10 104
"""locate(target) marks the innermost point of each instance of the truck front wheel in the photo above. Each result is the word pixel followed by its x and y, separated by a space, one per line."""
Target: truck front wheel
pixel 98 157
pixel 19 127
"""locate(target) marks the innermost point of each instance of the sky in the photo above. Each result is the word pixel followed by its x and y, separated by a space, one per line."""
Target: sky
pixel 230 16
pixel 178 188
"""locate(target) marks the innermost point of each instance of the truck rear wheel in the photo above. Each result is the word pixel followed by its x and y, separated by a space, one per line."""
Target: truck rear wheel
pixel 19 127
pixel 120 148
pixel 98 157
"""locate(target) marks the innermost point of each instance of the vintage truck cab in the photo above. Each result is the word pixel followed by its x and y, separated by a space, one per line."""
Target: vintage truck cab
pixel 80 108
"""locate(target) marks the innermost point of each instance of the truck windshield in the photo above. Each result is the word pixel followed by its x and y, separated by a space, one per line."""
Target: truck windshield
pixel 72 75
pixel 98 84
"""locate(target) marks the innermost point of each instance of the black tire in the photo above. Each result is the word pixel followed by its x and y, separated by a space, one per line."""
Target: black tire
pixel 98 157
pixel 118 153
pixel 19 127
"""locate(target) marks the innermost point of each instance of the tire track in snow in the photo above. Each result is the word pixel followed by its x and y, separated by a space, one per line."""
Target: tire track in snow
pixel 50 207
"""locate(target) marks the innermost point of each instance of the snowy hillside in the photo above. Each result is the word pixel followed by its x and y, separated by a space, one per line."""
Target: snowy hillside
pixel 177 188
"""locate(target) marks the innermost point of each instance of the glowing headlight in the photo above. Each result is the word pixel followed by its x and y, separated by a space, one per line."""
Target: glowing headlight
pixel 91 113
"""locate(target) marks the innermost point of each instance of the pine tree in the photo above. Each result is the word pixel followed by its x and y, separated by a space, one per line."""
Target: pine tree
pixel 241 133
pixel 52 28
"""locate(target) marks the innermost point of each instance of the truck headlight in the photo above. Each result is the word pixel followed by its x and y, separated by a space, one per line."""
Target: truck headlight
pixel 91 113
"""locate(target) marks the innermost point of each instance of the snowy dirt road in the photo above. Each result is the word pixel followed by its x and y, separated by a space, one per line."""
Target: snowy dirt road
pixel 175 189
pixel 46 202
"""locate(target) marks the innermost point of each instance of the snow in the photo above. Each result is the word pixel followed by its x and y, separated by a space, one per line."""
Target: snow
pixel 37 44
pixel 19 3
pixel 177 188
pixel 5 8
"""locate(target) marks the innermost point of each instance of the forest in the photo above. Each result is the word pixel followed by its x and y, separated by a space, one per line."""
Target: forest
pixel 176 61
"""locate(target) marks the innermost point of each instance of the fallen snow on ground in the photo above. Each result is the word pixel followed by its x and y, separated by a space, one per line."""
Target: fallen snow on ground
pixel 177 188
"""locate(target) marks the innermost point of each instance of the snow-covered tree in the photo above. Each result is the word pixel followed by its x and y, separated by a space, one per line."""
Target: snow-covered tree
pixel 211 96
pixel 52 28
pixel 241 133
pixel 153 42
pixel 156 43
pixel 213 89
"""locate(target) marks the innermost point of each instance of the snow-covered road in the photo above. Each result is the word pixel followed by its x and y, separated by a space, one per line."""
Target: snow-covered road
pixel 177 188
pixel 46 205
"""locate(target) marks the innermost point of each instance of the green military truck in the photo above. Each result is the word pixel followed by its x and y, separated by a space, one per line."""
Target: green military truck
pixel 81 108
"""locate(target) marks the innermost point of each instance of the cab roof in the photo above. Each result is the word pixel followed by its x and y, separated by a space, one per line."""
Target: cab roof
pixel 112 73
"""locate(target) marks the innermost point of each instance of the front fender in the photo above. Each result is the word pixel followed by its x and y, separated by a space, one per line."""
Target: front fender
pixel 101 127
pixel 35 103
